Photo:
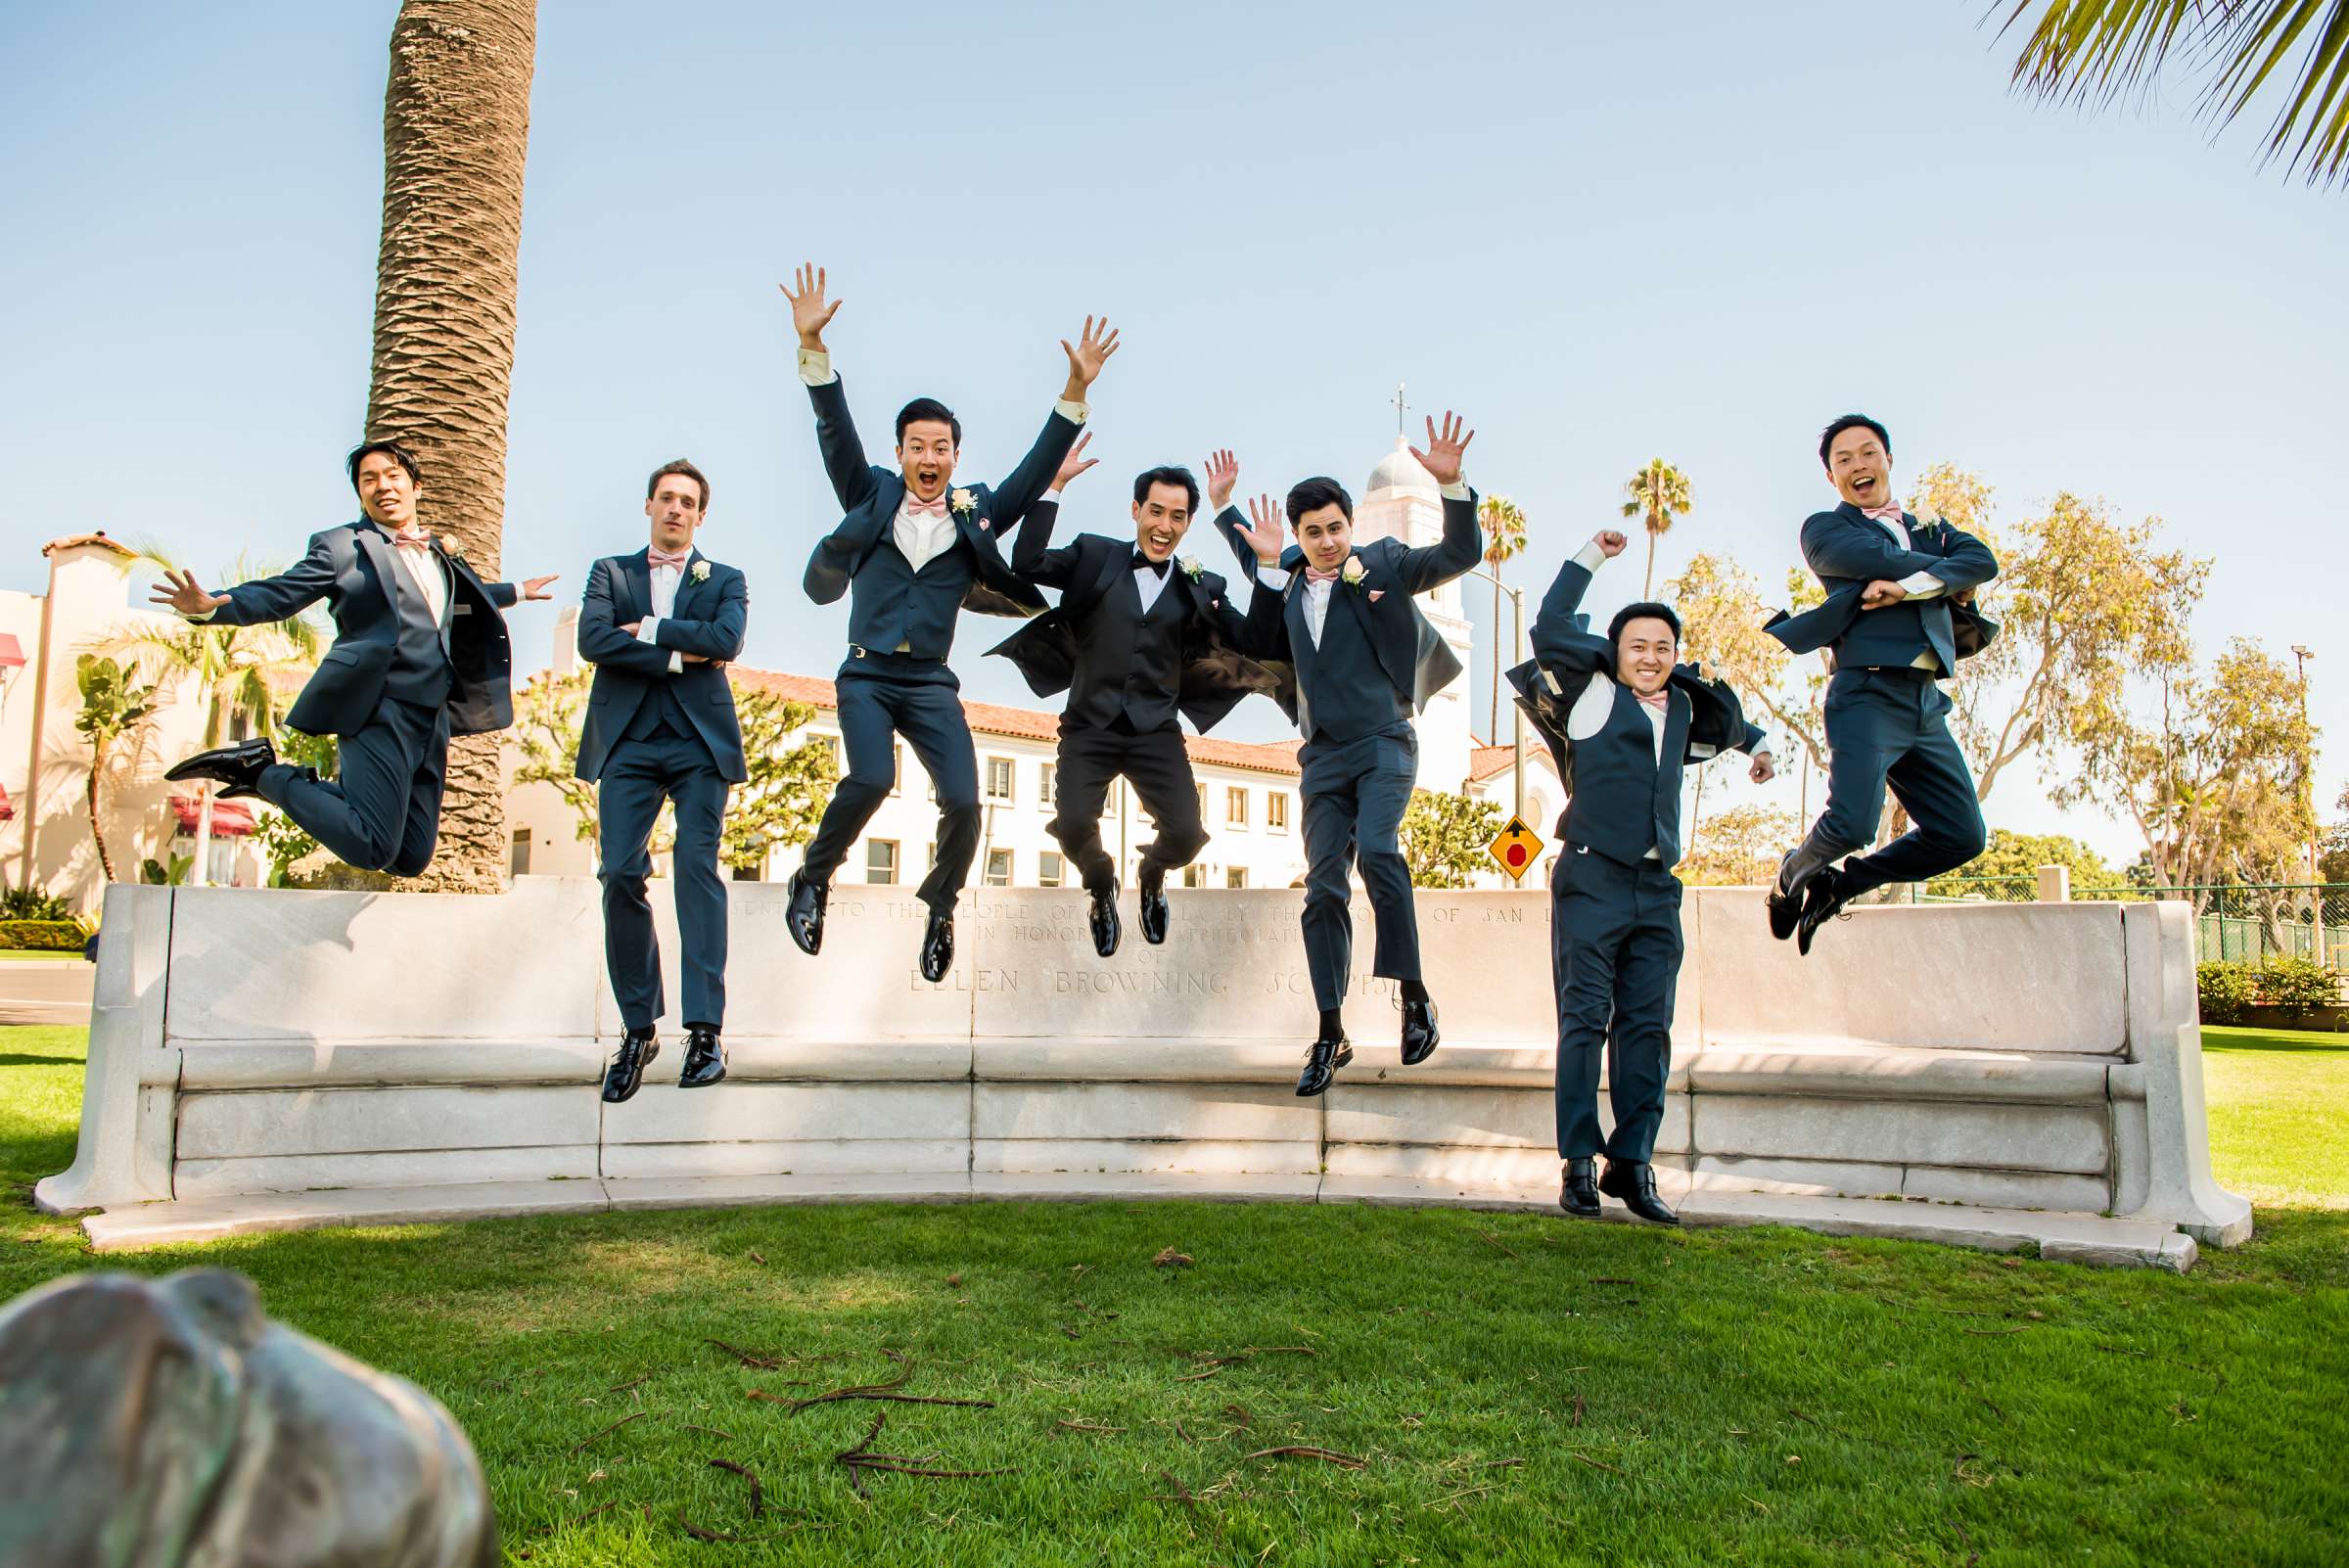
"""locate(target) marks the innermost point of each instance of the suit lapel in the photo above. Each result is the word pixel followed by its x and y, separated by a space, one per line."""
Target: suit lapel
pixel 375 546
pixel 689 585
pixel 637 573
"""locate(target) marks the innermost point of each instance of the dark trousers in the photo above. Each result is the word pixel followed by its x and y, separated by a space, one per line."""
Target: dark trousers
pixel 874 711
pixel 1890 728
pixel 1355 794
pixel 1160 768
pixel 382 811
pixel 1615 959
pixel 641 772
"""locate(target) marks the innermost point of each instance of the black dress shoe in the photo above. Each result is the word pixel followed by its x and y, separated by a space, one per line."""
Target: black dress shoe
pixel 1785 905
pixel 238 767
pixel 1419 1033
pixel 938 947
pixel 1322 1065
pixel 627 1072
pixel 1821 903
pixel 705 1060
pixel 1105 922
pixel 1154 911
pixel 1578 1193
pixel 1634 1187
pixel 803 915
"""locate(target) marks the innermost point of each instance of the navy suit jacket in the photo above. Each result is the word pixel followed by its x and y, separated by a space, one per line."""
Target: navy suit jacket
pixel 707 619
pixel 871 495
pixel 1411 652
pixel 1846 550
pixel 1568 655
pixel 351 567
pixel 1051 650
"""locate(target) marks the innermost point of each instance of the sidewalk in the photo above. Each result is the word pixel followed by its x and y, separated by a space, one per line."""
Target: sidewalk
pixel 42 992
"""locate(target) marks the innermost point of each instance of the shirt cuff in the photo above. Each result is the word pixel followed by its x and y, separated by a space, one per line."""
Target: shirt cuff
pixel 676 663
pixel 1457 489
pixel 197 621
pixel 1923 585
pixel 647 627
pixel 1758 748
pixel 1074 413
pixel 1591 558
pixel 1273 577
pixel 816 367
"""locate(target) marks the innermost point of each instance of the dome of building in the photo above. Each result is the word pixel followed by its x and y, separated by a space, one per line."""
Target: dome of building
pixel 1399 470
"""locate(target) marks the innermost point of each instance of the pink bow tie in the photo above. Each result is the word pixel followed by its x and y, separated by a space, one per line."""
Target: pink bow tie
pixel 914 508
pixel 1883 514
pixel 412 539
pixel 1661 701
pixel 667 558
pixel 1314 576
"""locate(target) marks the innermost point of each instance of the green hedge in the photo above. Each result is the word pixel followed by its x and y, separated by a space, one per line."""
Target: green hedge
pixel 46 936
pixel 2295 986
pixel 2225 991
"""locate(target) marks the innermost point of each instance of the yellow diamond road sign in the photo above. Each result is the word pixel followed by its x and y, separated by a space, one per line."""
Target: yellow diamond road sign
pixel 1516 848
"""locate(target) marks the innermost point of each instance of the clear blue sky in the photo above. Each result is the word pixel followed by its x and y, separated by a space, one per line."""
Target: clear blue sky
pixel 1602 233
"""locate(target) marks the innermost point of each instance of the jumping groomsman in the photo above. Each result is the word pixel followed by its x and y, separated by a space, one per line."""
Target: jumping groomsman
pixel 912 556
pixel 1364 660
pixel 1622 721
pixel 660 624
pixel 420 654
pixel 1141 639
pixel 1898 616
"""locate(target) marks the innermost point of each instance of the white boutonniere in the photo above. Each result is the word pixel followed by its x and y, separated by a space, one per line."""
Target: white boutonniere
pixel 701 571
pixel 1351 574
pixel 1191 567
pixel 962 501
pixel 451 547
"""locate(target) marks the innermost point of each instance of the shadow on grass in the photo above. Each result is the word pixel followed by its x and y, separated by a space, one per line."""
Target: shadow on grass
pixel 2221 1040
pixel 8 1060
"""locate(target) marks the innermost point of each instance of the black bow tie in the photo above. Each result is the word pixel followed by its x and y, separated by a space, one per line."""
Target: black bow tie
pixel 1140 561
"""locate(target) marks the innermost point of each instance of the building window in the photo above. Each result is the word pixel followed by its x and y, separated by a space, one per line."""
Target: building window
pixel 1050 799
pixel 1202 802
pixel 1047 869
pixel 998 869
pixel 518 859
pixel 1000 776
pixel 1194 876
pixel 881 861
pixel 753 872
pixel 1236 877
pixel 1277 810
pixel 1235 809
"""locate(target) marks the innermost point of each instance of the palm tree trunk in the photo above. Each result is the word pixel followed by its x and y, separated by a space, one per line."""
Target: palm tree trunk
pixel 1493 728
pixel 106 864
pixel 456 126
pixel 1647 584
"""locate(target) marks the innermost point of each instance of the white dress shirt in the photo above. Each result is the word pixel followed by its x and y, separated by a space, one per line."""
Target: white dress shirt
pixel 1316 593
pixel 664 579
pixel 1917 585
pixel 1150 584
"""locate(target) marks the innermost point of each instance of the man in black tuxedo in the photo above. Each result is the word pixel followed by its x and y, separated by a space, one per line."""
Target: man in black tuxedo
pixel 1363 660
pixel 1622 721
pixel 1898 616
pixel 911 555
pixel 1141 639
pixel 420 654
pixel 661 624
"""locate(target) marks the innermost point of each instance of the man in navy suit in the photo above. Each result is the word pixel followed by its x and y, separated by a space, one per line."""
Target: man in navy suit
pixel 1898 616
pixel 1622 721
pixel 661 624
pixel 420 654
pixel 1141 639
pixel 911 555
pixel 1363 660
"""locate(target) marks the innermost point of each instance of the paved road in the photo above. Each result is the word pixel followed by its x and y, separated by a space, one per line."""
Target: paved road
pixel 38 992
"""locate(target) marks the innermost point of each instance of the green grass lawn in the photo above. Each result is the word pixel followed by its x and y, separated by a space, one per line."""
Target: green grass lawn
pixel 1515 1388
pixel 40 956
pixel 2280 1113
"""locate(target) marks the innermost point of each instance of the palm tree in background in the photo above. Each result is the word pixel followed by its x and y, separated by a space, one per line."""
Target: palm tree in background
pixel 2097 51
pixel 117 719
pixel 236 670
pixel 1658 497
pixel 456 124
pixel 1503 524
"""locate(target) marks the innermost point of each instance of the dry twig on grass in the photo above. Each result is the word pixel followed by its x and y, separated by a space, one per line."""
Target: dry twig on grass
pixel 862 1457
pixel 1302 1451
pixel 888 1392
pixel 758 1491
pixel 1595 1464
pixel 608 1430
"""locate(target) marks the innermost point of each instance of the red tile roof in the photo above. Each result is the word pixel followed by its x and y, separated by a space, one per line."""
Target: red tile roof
pixel 1029 723
pixel 99 537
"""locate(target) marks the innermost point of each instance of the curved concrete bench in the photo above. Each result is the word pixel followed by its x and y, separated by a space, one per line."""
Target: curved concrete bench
pixel 259 1060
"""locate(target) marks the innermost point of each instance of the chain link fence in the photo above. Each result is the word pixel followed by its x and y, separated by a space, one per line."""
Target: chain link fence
pixel 2240 924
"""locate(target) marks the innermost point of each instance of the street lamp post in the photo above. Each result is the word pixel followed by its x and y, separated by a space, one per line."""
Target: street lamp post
pixel 2308 778
pixel 1517 654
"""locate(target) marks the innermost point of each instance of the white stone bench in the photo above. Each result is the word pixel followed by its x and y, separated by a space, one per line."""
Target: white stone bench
pixel 271 1059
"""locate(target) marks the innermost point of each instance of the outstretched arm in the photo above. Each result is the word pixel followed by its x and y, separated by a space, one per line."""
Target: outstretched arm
pixel 835 435
pixel 252 604
pixel 1049 568
pixel 1025 483
pixel 1430 566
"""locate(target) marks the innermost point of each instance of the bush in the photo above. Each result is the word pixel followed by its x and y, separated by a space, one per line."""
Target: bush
pixel 43 935
pixel 2297 985
pixel 33 903
pixel 2225 991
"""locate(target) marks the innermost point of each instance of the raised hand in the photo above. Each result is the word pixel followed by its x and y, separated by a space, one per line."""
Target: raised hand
pixel 1610 543
pixel 178 591
pixel 1223 474
pixel 1071 466
pixel 535 587
pixel 1093 347
pixel 1765 769
pixel 1263 532
pixel 810 314
pixel 1444 448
